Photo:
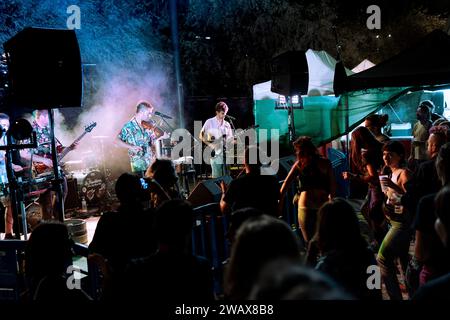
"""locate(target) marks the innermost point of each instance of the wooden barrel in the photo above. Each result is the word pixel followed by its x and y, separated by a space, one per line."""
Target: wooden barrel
pixel 77 230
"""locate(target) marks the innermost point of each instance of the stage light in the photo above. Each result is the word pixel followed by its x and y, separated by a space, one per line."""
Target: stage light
pixel 281 99
pixel 208 38
pixel 295 99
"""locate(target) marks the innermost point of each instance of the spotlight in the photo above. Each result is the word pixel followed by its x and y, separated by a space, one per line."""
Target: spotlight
pixel 295 99
pixel 282 99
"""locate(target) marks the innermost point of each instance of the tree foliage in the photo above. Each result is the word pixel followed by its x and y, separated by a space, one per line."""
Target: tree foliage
pixel 244 35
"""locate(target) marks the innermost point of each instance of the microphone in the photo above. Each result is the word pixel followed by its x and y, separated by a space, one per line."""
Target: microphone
pixel 230 117
pixel 162 115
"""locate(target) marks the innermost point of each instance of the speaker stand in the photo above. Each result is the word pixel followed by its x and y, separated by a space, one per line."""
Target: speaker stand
pixel 290 107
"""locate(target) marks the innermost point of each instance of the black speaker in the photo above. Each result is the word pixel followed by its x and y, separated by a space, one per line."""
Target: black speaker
pixel 73 199
pixel 284 166
pixel 44 69
pixel 290 73
pixel 207 191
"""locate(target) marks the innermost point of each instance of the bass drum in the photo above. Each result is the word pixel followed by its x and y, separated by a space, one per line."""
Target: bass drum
pixel 92 186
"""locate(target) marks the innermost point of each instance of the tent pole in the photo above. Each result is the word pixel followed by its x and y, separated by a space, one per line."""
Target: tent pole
pixel 347 140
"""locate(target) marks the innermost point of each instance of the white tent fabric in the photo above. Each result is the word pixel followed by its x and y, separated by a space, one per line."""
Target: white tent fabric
pixel 363 65
pixel 321 76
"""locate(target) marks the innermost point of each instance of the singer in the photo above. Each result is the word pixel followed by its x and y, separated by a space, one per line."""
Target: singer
pixel 215 132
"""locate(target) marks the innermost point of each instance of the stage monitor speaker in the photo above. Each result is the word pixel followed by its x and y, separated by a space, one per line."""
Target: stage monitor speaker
pixel 290 73
pixel 44 69
pixel 72 200
pixel 207 191
pixel 284 166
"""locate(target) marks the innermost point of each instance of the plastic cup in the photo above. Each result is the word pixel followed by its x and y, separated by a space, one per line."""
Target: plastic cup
pixel 383 187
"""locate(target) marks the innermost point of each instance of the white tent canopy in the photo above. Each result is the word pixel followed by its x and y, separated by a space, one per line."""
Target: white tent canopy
pixel 363 65
pixel 321 77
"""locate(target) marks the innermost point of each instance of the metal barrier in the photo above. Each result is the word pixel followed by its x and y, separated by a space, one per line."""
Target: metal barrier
pixel 12 280
pixel 12 275
pixel 340 164
pixel 209 239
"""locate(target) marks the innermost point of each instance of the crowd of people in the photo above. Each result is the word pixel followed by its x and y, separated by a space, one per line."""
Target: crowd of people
pixel 144 249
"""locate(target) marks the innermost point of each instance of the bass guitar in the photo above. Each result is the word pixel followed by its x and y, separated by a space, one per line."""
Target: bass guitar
pixel 40 167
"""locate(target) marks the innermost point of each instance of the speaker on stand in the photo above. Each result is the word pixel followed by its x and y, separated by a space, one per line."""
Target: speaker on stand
pixel 290 77
pixel 290 74
pixel 44 67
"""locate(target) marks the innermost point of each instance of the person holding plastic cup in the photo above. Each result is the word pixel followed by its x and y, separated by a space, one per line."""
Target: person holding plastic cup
pixel 396 242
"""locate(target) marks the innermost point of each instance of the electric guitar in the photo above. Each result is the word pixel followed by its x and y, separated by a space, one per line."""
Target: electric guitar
pixel 213 144
pixel 40 167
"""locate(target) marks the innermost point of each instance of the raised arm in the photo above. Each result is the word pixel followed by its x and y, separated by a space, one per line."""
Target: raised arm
pixel 291 175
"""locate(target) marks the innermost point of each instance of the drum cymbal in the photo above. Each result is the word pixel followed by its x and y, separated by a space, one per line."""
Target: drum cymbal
pixel 74 162
pixel 183 160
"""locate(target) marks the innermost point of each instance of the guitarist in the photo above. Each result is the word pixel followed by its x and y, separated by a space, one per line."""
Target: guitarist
pixel 42 157
pixel 212 134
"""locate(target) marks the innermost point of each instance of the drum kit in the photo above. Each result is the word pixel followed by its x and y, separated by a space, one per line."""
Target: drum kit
pixel 90 176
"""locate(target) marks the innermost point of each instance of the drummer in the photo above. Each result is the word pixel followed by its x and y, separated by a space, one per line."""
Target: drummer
pixel 4 196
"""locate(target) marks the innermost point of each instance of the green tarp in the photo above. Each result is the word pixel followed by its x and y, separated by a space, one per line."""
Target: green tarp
pixel 324 118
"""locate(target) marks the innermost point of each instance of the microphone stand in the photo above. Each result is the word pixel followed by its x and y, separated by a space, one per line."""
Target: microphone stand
pixel 224 156
pixel 167 124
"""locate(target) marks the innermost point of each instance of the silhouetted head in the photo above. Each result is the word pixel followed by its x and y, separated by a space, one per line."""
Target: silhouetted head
pixel 375 122
pixel 252 159
pixel 438 136
pixel 424 111
pixel 443 164
pixel 304 147
pixel 362 138
pixel 173 224
pixel 238 217
pixel 259 240
pixel 128 189
pixel 48 251
pixel 338 227
pixel 163 171
pixel 442 224
pixel 287 280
